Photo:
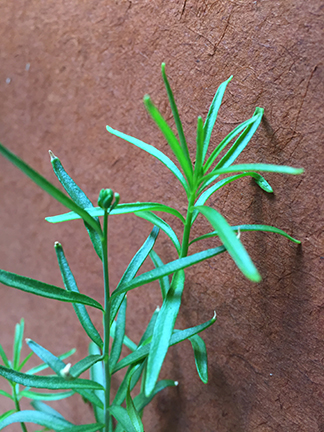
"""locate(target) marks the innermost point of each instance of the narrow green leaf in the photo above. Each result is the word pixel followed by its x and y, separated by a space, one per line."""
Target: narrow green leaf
pixel 154 152
pixel 170 137
pixel 49 188
pixel 199 148
pixel 176 338
pixel 22 364
pixel 94 427
pixel 4 357
pixel 42 407
pixel 215 153
pixel 70 285
pixel 280 169
pixel 243 228
pixel 4 393
pixel 84 364
pixel 262 183
pixel 47 382
pixel 132 270
pixel 163 330
pixel 46 396
pixel 212 115
pixel 157 221
pixel 50 359
pixel 79 197
pixel 175 113
pixel 37 417
pixel 120 209
pixel 126 341
pixel 19 334
pixel 91 396
pixel 121 415
pixel 132 411
pixel 200 353
pixel 119 335
pixel 231 242
pixel 44 366
pixel 141 400
pixel 167 269
pixel 164 281
pixel 6 414
pixel 45 290
pixel 97 375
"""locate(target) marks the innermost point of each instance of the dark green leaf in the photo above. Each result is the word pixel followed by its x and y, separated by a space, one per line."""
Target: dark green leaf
pixel 45 290
pixel 175 113
pixel 47 382
pixel 44 366
pixel 49 188
pixel 132 411
pixel 164 281
pixel 176 338
pixel 141 400
pixel 121 415
pixel 127 341
pixel 37 417
pixel 199 148
pixel 154 152
pixel 212 114
pixel 79 197
pixel 94 427
pixel 167 269
pixel 119 335
pixel 163 330
pixel 200 353
pixel 70 285
pixel 84 364
pixel 231 242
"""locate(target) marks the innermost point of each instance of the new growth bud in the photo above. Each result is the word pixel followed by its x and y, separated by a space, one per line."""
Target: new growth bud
pixel 65 372
pixel 105 198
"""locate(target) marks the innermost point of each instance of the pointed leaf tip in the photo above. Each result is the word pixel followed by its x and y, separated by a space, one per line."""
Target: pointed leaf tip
pixel 52 155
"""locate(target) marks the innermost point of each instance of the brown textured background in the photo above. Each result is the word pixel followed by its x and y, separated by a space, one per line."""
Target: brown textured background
pixel 90 63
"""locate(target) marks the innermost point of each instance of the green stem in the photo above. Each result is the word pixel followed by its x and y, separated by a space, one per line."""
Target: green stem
pixel 14 394
pixel 187 228
pixel 106 319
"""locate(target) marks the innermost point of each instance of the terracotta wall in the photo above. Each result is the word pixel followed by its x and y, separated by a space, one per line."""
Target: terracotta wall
pixel 68 68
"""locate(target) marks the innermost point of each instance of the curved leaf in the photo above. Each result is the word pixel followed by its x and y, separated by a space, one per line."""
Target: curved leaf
pixel 79 197
pixel 49 188
pixel 212 115
pixel 231 242
pixel 141 400
pixel 70 285
pixel 243 228
pixel 200 353
pixel 154 152
pixel 42 407
pixel 163 330
pixel 45 290
pixel 164 281
pixel 37 417
pixel 46 396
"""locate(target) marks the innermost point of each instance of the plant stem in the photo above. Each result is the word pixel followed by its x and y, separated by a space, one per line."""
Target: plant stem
pixel 14 394
pixel 106 319
pixel 187 228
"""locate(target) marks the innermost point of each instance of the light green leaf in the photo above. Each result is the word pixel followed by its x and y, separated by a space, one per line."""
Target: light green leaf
pixel 212 114
pixel 97 375
pixel 49 188
pixel 94 427
pixel 19 334
pixel 119 335
pixel 243 228
pixel 79 197
pixel 132 412
pixel 132 269
pixel 42 407
pixel 163 330
pixel 120 209
pixel 46 396
pixel 154 152
pixel 164 281
pixel 50 359
pixel 84 364
pixel 6 414
pixel 157 221
pixel 167 269
pixel 126 341
pixel 47 382
pixel 176 338
pixel 45 290
pixel 141 400
pixel 122 416
pixel 37 417
pixel 4 393
pixel 200 353
pixel 170 138
pixel 175 113
pixel 199 148
pixel 4 357
pixel 231 242
pixel 22 364
pixel 44 366
pixel 70 285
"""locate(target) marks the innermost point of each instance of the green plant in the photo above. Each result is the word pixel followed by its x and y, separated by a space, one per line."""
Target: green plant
pixel 145 361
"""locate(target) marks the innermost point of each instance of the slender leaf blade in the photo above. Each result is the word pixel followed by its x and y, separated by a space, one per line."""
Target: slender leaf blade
pixel 46 396
pixel 122 416
pixel 97 375
pixel 37 417
pixel 126 341
pixel 141 400
pixel 200 353
pixel 132 411
pixel 231 242
pixel 163 281
pixel 42 407
pixel 93 427
pixel 119 335
pixel 19 334
pixel 84 364
pixel 42 289
pixel 4 393
pixel 44 366
pixel 4 357
pixel 5 415
pixel 56 364
pixel 163 330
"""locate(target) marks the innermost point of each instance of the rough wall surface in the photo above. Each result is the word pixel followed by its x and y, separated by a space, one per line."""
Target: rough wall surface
pixel 70 67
